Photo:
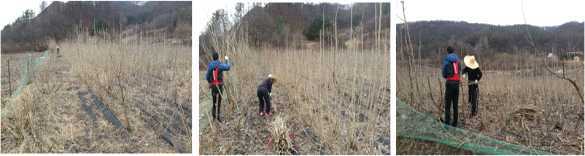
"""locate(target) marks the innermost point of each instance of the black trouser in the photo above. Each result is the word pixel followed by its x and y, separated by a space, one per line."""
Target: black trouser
pixel 264 99
pixel 473 94
pixel 216 93
pixel 451 100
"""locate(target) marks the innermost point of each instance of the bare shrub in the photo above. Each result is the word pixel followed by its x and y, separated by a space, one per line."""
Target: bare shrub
pixel 143 82
pixel 342 114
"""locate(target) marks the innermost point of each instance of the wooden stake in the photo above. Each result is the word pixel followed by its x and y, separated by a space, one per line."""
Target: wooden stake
pixel 9 79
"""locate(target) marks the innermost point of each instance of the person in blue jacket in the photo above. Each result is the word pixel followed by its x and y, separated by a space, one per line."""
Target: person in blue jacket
pixel 451 70
pixel 214 76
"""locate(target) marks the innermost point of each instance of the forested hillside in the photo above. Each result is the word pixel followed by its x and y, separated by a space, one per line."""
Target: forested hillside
pixel 298 24
pixel 62 19
pixel 429 36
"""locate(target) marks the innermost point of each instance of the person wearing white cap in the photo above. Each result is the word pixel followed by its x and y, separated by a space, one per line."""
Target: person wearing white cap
pixel 265 95
pixel 473 76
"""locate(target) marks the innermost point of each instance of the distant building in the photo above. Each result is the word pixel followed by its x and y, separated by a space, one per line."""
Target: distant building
pixel 576 56
pixel 572 56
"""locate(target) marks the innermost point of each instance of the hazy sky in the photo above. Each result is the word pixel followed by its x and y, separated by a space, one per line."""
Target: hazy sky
pixel 203 12
pixel 502 12
pixel 10 10
pixel 499 12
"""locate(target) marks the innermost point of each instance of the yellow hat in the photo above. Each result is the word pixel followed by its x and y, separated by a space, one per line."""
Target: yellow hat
pixel 470 62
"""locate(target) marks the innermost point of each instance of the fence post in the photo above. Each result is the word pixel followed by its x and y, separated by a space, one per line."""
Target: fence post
pixel 9 79
pixel 28 65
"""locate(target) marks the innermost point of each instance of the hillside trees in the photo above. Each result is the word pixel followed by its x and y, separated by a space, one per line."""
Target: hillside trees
pixel 26 18
pixel 485 38
pixel 291 25
pixel 313 31
pixel 62 19
pixel 214 36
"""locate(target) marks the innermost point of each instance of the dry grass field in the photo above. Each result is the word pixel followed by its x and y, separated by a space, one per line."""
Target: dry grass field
pixel 521 104
pixel 102 96
pixel 329 102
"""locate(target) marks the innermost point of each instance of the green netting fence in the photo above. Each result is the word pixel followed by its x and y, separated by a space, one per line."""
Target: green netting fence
pixel 416 125
pixel 27 68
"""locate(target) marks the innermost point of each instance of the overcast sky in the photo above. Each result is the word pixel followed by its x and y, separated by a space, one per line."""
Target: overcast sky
pixel 498 12
pixel 203 12
pixel 10 10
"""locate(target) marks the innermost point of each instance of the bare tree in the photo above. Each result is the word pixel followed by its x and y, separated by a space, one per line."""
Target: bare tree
pixel 43 6
pixel 9 78
pixel 409 50
pixel 351 23
pixel 563 76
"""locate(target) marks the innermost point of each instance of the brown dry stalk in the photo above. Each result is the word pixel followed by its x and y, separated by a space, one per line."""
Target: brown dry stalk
pixel 563 77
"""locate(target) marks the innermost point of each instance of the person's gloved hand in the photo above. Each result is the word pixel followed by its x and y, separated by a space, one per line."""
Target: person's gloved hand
pixel 270 94
pixel 227 58
pixel 476 81
pixel 464 75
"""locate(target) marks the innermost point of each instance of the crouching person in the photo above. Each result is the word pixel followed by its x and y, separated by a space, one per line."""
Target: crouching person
pixel 265 95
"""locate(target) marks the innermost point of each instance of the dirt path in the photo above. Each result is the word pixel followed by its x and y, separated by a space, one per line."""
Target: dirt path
pixel 83 122
pixel 101 124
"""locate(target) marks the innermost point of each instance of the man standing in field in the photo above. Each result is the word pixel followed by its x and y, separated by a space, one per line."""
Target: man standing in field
pixel 214 76
pixel 474 75
pixel 450 71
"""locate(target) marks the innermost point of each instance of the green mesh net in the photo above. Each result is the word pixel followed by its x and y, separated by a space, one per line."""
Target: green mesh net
pixel 27 68
pixel 26 72
pixel 420 126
